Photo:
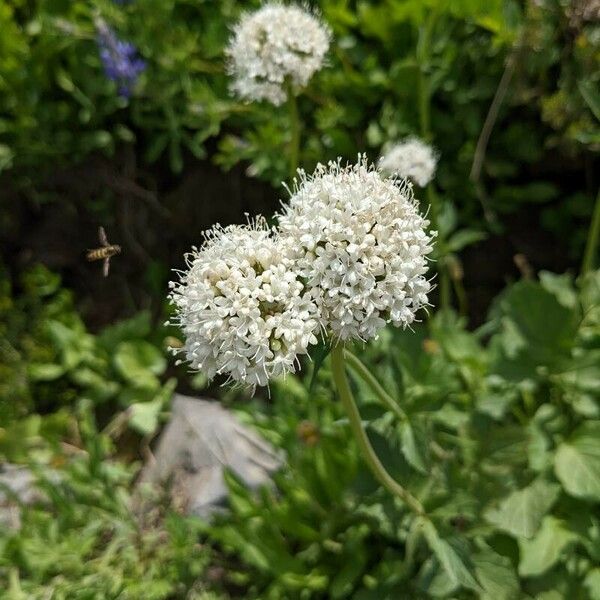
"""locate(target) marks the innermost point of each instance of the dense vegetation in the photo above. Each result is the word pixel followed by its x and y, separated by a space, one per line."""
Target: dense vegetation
pixel 494 422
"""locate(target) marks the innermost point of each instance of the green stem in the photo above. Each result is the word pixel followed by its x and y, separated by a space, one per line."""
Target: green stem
pixel 591 247
pixel 361 370
pixel 294 148
pixel 369 455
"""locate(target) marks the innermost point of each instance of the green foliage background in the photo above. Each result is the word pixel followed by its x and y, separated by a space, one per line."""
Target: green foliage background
pixel 497 429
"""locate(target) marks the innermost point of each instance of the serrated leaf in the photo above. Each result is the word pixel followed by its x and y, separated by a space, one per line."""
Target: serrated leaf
pixel 577 462
pixel 541 552
pixel 521 513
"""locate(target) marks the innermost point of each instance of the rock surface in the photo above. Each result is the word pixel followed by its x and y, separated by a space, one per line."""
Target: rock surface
pixel 200 441
pixel 17 486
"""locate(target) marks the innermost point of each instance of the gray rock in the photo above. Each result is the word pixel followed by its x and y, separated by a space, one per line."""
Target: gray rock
pixel 199 442
pixel 17 486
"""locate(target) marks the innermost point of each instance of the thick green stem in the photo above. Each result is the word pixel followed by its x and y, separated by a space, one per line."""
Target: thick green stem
pixel 369 455
pixel 361 370
pixel 294 147
pixel 591 247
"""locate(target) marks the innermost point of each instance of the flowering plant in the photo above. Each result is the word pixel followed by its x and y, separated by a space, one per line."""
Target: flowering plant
pixel 348 257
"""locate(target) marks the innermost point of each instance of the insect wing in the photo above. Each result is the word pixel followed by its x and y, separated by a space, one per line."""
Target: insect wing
pixel 106 266
pixel 102 236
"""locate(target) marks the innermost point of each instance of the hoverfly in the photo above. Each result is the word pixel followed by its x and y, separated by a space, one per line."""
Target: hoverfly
pixel 105 252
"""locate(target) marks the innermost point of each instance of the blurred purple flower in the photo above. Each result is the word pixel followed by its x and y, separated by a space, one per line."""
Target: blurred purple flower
pixel 120 59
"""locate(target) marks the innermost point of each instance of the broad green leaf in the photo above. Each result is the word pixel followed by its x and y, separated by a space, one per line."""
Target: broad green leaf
pixel 139 362
pixel 45 371
pixel 592 583
pixel 414 446
pixel 452 557
pixel 542 551
pixel 537 331
pixel 136 327
pixel 144 416
pixel 521 513
pixel 561 286
pixel 540 318
pixel 434 580
pixel 497 575
pixel 577 462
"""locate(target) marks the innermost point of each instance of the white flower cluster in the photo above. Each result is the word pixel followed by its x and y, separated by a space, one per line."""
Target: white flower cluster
pixel 241 306
pixel 412 159
pixel 273 46
pixel 361 247
pixel 349 256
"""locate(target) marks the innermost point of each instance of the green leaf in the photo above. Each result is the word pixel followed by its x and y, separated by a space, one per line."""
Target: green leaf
pixel 414 446
pixel 318 355
pixel 537 330
pixel 521 513
pixel 577 462
pixel 589 92
pixel 144 416
pixel 45 371
pixel 463 238
pixel 136 327
pixel 541 552
pixel 452 557
pixel 592 583
pixel 497 576
pixel 138 362
pixel 561 286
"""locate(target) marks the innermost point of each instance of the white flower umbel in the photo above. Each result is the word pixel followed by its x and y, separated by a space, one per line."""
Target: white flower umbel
pixel 412 159
pixel 274 46
pixel 242 308
pixel 361 247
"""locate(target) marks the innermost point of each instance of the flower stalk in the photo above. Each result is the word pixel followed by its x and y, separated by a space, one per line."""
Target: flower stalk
pixel 361 370
pixel 367 451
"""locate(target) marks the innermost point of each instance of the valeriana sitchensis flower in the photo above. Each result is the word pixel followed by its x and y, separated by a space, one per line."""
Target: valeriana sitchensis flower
pixel 411 159
pixel 120 59
pixel 277 45
pixel 361 247
pixel 242 307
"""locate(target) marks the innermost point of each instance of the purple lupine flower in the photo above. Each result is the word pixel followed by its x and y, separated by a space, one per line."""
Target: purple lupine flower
pixel 120 59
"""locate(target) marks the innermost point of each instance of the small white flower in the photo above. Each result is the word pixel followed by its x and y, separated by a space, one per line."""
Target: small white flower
pixel 242 308
pixel 412 159
pixel 275 45
pixel 360 245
